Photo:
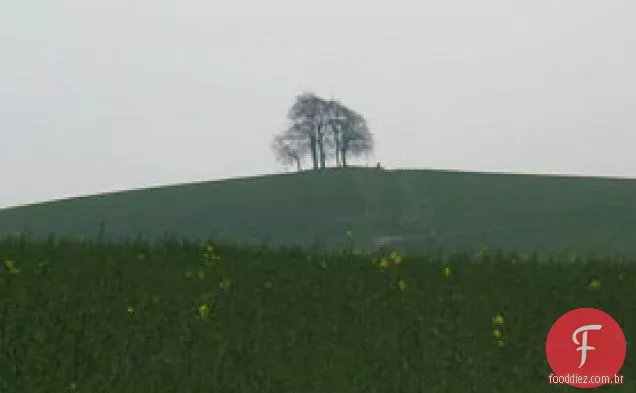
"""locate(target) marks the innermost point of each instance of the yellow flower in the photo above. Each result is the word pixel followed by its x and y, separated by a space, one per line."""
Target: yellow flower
pixel 402 284
pixel 11 267
pixel 131 309
pixel 395 258
pixel 209 257
pixel 496 333
pixel 446 272
pixel 204 311
pixel 498 320
pixel 500 343
pixel 483 252
pixel 225 283
pixel 384 263
pixel 595 284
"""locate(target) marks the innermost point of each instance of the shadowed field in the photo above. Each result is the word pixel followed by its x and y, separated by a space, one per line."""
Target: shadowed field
pixel 406 210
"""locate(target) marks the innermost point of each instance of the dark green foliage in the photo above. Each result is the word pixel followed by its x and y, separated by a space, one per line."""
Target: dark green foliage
pixel 287 320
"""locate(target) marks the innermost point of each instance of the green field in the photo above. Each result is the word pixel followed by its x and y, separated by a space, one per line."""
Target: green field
pixel 178 317
pixel 392 305
pixel 406 210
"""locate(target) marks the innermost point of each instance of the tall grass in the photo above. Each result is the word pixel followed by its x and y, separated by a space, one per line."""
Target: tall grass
pixel 77 316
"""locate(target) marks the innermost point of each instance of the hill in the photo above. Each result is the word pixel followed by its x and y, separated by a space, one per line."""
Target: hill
pixel 406 209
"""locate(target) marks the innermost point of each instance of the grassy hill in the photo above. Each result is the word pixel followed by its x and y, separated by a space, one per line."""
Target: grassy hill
pixel 408 210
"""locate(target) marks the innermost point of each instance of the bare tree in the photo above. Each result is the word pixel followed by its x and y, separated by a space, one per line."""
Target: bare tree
pixel 337 120
pixel 322 129
pixel 357 140
pixel 308 116
pixel 350 133
pixel 289 149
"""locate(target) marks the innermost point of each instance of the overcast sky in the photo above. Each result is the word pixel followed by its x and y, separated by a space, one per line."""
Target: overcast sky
pixel 108 95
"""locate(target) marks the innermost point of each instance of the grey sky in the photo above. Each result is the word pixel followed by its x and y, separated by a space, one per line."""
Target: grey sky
pixel 107 95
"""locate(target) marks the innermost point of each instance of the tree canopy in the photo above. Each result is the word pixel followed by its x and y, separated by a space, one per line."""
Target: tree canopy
pixel 322 129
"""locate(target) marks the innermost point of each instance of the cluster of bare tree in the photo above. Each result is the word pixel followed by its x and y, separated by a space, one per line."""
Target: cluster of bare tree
pixel 322 129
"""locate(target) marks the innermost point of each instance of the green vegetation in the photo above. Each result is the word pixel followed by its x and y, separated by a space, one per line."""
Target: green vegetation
pixel 172 317
pixel 413 211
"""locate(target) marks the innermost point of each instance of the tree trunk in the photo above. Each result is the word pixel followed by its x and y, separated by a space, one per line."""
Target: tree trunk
pixel 344 157
pixel 321 145
pixel 322 155
pixel 298 165
pixel 314 153
pixel 337 139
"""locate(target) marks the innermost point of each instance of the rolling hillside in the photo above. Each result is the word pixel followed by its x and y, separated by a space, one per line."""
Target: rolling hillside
pixel 408 210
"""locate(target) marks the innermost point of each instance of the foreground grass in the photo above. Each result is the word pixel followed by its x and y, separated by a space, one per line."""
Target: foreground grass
pixel 179 317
